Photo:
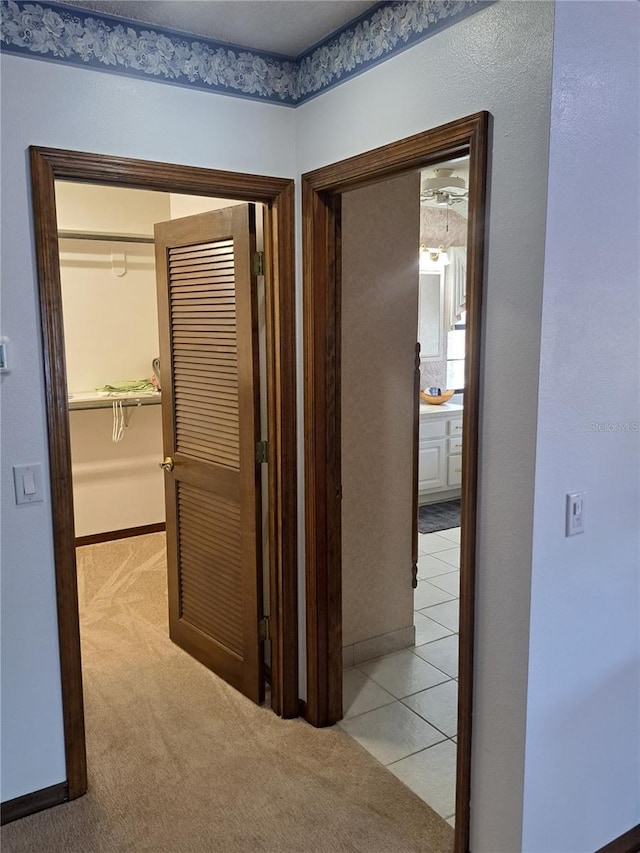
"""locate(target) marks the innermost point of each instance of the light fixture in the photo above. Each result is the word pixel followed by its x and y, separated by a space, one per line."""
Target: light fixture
pixel 444 188
pixel 433 258
pixel 434 254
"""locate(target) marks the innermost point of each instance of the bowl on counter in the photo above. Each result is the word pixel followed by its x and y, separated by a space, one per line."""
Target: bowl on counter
pixel 443 397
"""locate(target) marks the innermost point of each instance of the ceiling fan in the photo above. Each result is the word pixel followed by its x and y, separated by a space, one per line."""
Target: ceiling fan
pixel 444 188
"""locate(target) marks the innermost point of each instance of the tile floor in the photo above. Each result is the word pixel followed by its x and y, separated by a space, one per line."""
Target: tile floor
pixel 402 708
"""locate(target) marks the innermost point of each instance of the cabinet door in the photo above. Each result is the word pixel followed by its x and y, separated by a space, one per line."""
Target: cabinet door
pixel 431 465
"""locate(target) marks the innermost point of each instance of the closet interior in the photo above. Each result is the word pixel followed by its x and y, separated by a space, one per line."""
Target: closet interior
pixel 108 280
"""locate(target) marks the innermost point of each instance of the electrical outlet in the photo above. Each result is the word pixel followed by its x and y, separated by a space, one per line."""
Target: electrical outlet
pixel 575 513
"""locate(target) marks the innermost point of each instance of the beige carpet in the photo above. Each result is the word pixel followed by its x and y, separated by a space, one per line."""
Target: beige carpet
pixel 179 761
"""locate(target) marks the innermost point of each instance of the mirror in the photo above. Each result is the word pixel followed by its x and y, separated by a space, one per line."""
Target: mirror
pixel 431 315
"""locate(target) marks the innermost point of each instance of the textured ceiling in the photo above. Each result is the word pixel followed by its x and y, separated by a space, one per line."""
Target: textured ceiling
pixel 280 26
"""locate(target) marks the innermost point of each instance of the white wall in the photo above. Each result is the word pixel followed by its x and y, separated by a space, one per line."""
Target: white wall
pixel 502 64
pixel 111 335
pixel 79 109
pixel 116 486
pixel 110 310
pixel 115 210
pixel 583 712
pixel 189 205
pixel 110 320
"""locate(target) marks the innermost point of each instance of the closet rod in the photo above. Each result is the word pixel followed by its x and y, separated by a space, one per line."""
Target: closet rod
pixel 111 238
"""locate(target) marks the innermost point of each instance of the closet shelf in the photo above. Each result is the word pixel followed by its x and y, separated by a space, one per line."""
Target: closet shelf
pixel 102 235
pixel 92 400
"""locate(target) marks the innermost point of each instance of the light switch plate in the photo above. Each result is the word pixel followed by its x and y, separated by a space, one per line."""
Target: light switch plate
pixel 27 480
pixel 575 513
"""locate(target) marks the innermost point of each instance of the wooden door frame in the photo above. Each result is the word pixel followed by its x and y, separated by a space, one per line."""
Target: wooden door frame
pixel 321 209
pixel 277 194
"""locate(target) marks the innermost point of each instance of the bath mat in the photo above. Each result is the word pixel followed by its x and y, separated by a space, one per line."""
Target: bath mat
pixel 442 516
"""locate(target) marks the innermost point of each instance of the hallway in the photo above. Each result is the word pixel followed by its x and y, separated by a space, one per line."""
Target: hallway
pixel 179 761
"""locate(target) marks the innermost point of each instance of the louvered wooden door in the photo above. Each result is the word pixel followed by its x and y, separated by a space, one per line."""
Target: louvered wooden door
pixel 210 410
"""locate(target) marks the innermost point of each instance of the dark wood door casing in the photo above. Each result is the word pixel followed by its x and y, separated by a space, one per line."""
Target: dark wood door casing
pixel 321 201
pixel 277 194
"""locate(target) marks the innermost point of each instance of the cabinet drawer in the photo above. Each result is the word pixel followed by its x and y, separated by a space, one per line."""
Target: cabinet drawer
pixel 455 445
pixel 455 426
pixel 432 429
pixel 454 470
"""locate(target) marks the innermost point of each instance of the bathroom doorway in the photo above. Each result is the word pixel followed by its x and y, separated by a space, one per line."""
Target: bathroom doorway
pixel 322 206
pixel 400 643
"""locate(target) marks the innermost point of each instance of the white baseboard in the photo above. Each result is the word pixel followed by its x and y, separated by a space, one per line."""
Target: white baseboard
pixel 375 647
pixel 437 497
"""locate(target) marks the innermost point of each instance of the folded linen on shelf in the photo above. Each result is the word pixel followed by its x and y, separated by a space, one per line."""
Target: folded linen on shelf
pixel 132 386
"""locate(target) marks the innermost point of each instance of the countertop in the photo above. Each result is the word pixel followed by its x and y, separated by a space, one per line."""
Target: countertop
pixel 442 409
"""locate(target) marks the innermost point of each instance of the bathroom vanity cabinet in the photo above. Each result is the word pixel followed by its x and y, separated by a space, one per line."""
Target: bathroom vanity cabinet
pixel 439 452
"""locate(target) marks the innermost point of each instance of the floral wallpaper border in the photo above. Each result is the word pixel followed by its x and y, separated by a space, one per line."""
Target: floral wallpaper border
pixel 65 34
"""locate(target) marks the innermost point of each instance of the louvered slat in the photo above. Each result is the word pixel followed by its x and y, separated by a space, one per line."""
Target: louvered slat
pixel 203 329
pixel 202 248
pixel 223 550
pixel 209 368
pixel 187 349
pixel 222 421
pixel 202 412
pixel 210 577
pixel 195 436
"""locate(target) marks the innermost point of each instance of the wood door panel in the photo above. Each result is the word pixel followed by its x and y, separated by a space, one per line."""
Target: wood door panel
pixel 227 399
pixel 220 421
pixel 194 434
pixel 207 365
pixel 199 420
pixel 198 398
pixel 210 383
pixel 196 379
pixel 198 316
pixel 198 450
pixel 192 312
pixel 210 589
pixel 190 470
pixel 194 548
pixel 201 249
pixel 216 274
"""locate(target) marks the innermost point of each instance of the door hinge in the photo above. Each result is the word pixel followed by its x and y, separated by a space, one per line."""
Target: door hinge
pixel 257 263
pixel 262 451
pixel 264 626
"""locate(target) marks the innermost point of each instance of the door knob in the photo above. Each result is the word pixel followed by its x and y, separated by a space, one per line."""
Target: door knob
pixel 167 465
